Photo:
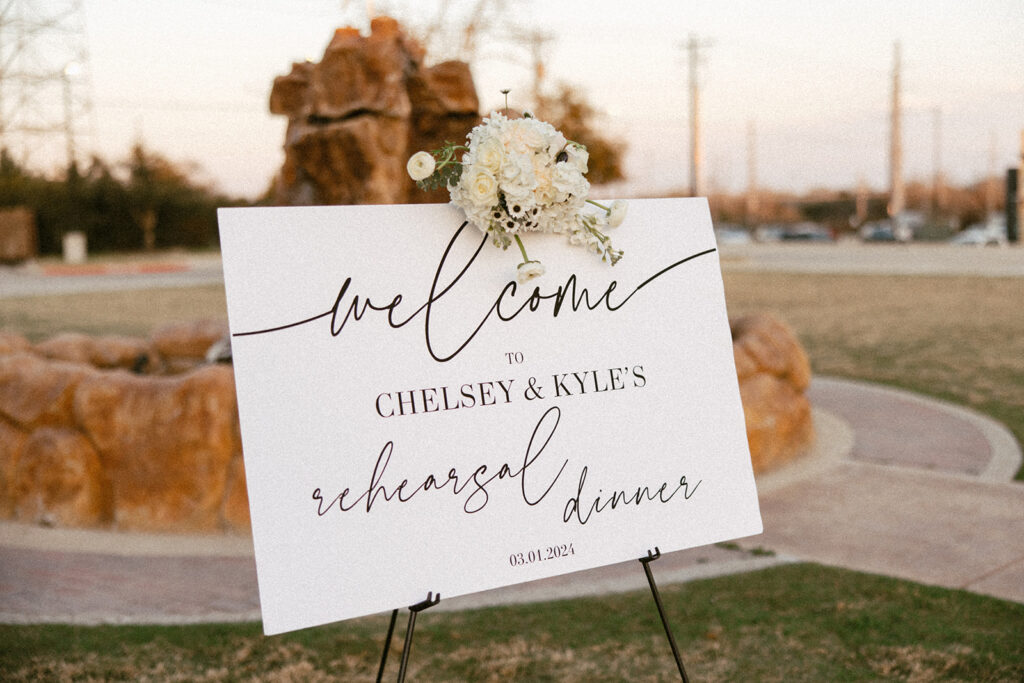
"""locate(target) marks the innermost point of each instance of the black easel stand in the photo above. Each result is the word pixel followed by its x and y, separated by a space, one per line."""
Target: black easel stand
pixel 646 561
pixel 433 600
pixel 413 611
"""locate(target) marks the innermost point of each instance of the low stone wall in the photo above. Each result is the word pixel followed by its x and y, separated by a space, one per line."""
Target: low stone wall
pixel 142 434
pixel 113 431
pixel 774 373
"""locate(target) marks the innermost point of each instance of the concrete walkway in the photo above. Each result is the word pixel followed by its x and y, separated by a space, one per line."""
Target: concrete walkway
pixel 897 485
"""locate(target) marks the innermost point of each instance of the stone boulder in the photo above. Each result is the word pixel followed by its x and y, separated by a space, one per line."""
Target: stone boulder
pixel 166 444
pixel 12 343
pixel 36 392
pixel 59 481
pixel 773 373
pixel 178 347
pixel 12 440
pixel 110 351
pixel 355 117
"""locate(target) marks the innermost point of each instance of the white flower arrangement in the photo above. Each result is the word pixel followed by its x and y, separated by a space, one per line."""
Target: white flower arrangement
pixel 521 175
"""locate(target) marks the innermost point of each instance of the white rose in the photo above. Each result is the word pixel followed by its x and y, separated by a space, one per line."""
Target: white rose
pixel 528 270
pixel 420 166
pixel 481 188
pixel 617 213
pixel 490 154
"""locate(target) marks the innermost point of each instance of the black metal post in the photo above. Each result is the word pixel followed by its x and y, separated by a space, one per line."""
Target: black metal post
pixel 413 611
pixel 387 645
pixel 646 561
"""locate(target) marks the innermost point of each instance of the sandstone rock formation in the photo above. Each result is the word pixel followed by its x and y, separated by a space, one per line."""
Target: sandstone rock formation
pixel 773 372
pixel 86 442
pixel 355 117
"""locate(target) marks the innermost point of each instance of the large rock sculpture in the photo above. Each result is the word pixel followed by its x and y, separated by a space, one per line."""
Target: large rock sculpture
pixel 356 116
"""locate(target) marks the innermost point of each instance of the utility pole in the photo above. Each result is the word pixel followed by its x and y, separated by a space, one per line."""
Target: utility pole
pixel 938 189
pixel 44 76
pixel 752 198
pixel 897 196
pixel 993 178
pixel 693 47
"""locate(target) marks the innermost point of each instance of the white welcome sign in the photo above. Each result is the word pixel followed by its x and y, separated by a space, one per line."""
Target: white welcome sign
pixel 414 421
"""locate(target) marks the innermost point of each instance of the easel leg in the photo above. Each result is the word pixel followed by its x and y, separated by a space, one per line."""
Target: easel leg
pixel 413 611
pixel 387 645
pixel 646 561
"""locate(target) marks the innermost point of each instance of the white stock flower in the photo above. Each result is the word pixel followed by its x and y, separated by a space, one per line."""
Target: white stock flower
pixel 420 166
pixel 617 213
pixel 528 270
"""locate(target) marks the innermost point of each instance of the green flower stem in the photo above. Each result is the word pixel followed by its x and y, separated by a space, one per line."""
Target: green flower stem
pixel 592 228
pixel 522 249
pixel 600 206
pixel 449 152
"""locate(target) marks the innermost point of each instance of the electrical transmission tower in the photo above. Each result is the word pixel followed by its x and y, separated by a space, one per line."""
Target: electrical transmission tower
pixel 44 79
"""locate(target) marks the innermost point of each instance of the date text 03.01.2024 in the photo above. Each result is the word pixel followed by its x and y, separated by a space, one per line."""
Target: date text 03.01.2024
pixel 551 552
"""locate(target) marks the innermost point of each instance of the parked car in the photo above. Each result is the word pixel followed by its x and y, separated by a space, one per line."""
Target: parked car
pixel 978 237
pixel 877 231
pixel 731 234
pixel 807 232
pixel 991 233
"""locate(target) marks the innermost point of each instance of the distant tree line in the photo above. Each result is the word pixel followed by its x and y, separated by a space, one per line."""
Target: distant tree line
pixel 145 202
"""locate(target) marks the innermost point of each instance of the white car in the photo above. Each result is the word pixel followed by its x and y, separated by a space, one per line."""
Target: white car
pixel 991 233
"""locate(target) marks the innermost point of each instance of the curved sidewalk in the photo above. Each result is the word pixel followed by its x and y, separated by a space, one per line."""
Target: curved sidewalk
pixel 896 485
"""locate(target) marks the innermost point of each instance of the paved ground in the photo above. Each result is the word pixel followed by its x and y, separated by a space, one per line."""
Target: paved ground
pixel 897 485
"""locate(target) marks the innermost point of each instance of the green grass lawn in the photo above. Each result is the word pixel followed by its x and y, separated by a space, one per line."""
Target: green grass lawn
pixel 791 623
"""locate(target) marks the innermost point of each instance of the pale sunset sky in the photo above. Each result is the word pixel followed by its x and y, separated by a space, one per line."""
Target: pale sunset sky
pixel 192 79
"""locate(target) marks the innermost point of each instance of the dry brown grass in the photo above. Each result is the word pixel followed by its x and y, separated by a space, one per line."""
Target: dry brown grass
pixel 133 313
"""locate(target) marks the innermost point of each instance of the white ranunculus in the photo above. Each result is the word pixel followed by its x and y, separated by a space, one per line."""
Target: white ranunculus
pixel 528 270
pixel 481 187
pixel 617 213
pixel 420 166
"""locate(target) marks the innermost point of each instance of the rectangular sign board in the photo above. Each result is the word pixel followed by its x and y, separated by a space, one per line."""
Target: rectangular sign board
pixel 414 421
